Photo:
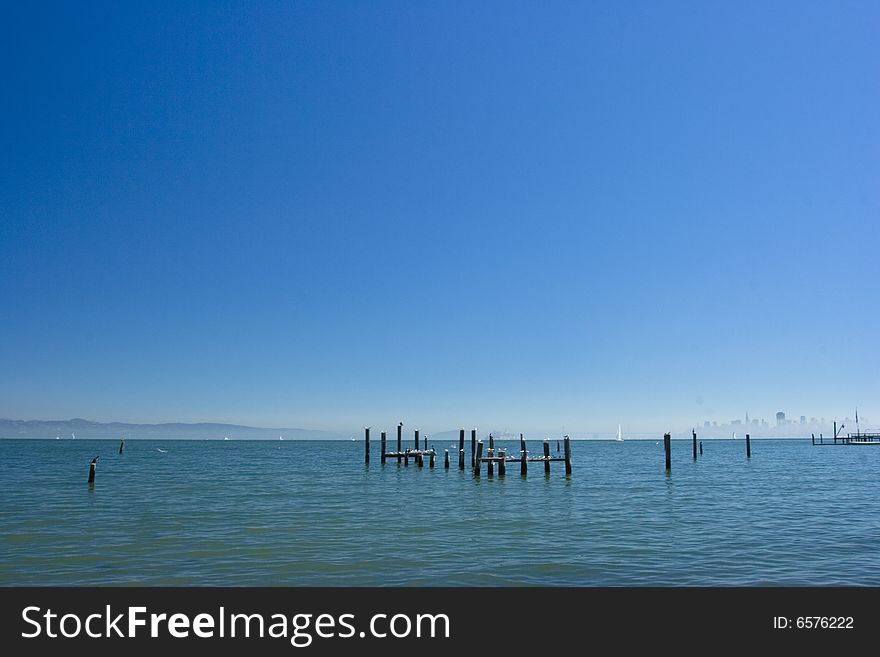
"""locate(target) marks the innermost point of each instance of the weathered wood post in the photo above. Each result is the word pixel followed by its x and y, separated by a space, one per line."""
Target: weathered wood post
pixel 748 447
pixel 478 458
pixel 547 456
pixel 446 460
pixel 417 439
pixel 567 442
pixel 121 445
pixel 490 464
pixel 367 445
pixel 701 448
pixel 433 458
pixel 491 442
pixel 473 446
pixel 694 432
pixel 461 449
pixel 523 461
pixel 420 459
pixel 399 441
pixel 821 439
pixel 522 443
pixel 92 467
pixel 502 464
pixel 383 448
pixel 406 458
pixel 812 438
pixel 667 445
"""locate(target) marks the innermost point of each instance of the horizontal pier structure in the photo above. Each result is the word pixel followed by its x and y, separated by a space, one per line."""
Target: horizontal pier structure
pixel 849 439
pixel 493 457
pixel 861 439
pixel 857 438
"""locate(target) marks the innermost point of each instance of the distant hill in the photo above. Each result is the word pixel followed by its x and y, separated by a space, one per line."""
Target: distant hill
pixel 86 429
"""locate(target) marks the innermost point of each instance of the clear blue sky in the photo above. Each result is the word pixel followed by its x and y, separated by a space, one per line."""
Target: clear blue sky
pixel 507 215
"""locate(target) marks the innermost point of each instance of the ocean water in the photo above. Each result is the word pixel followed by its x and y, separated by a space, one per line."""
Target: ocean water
pixel 311 513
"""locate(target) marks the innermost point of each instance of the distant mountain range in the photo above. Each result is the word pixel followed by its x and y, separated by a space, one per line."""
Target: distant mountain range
pixel 86 429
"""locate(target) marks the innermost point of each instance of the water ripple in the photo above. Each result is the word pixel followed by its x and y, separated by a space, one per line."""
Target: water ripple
pixel 308 513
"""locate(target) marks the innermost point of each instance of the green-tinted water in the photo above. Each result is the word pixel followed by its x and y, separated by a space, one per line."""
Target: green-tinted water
pixel 310 513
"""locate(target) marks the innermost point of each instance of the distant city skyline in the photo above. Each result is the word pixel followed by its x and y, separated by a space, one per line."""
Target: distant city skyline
pixel 547 216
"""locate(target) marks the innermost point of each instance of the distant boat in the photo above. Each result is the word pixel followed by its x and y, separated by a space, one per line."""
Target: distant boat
pixel 225 437
pixel 352 439
pixel 734 435
pixel 619 437
pixel 280 437
pixel 57 437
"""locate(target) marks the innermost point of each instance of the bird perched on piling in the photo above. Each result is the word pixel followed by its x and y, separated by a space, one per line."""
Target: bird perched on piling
pixel 92 467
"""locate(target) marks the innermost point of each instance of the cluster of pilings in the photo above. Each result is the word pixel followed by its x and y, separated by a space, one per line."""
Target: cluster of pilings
pixel 492 458
pixel 667 448
pixel 93 466
pixel 858 438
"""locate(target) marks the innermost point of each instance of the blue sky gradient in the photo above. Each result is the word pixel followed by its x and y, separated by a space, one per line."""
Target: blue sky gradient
pixel 518 215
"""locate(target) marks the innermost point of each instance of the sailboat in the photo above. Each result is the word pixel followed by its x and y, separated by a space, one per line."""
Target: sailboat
pixel 619 437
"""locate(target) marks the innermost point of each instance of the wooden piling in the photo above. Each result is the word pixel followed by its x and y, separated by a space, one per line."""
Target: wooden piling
pixel 446 460
pixel 92 467
pixel 748 447
pixel 420 459
pixel 417 439
pixel 694 432
pixel 433 457
pixel 524 461
pixel 567 455
pixel 557 446
pixel 121 445
pixel 406 458
pixel 547 456
pixel 491 442
pixel 461 449
pixel 478 458
pixel 701 448
pixel 473 446
pixel 522 443
pixel 667 445
pixel 812 438
pixel 502 464
pixel 383 447
pixel 490 466
pixel 399 441
pixel 367 445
